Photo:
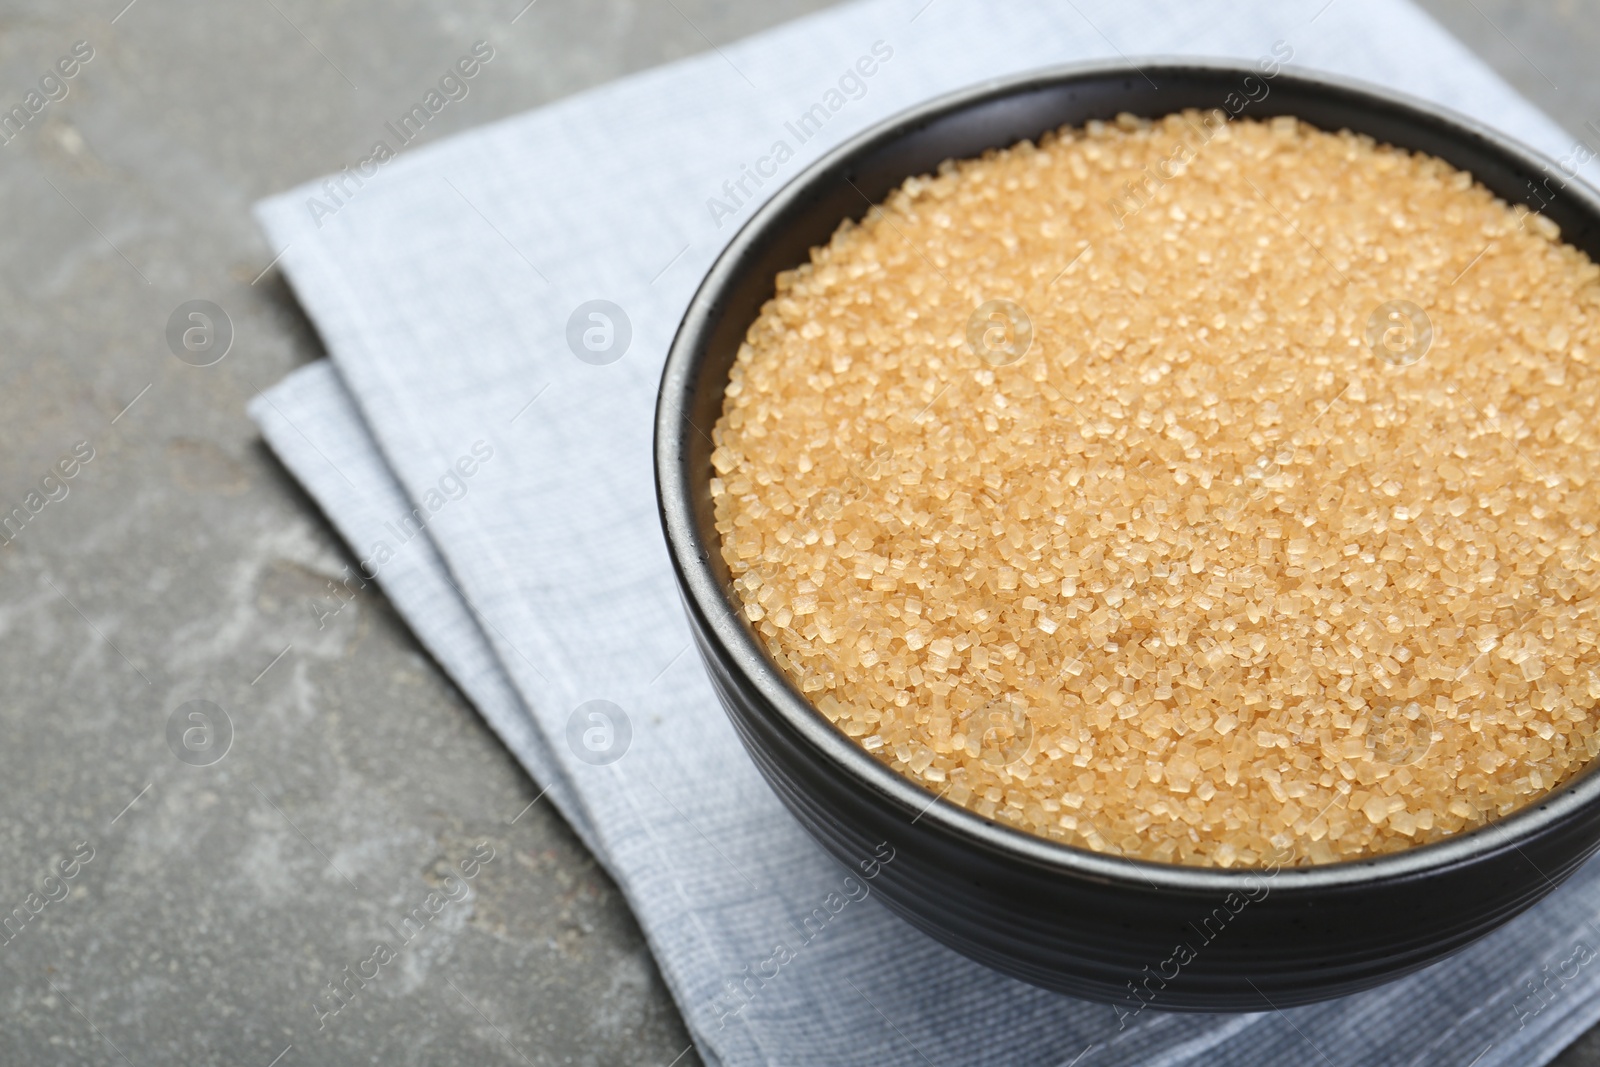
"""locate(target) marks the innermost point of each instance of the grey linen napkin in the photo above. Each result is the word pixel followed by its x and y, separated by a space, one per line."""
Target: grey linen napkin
pixel 501 489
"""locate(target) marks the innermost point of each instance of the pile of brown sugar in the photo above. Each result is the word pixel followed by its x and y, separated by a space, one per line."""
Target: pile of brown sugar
pixel 1278 532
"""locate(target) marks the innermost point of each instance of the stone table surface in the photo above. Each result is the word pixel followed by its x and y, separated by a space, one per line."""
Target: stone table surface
pixel 220 897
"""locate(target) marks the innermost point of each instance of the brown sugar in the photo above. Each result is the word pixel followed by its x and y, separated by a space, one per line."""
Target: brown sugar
pixel 1187 490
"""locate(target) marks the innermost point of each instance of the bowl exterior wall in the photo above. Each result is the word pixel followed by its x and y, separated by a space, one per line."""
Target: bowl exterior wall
pixel 1265 943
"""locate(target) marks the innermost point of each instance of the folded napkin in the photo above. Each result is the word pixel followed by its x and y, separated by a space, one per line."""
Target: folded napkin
pixel 492 466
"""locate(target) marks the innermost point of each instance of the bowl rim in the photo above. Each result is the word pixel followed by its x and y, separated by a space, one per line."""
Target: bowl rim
pixel 716 617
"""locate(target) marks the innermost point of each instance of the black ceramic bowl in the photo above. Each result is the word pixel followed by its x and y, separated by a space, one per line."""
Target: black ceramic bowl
pixel 1092 925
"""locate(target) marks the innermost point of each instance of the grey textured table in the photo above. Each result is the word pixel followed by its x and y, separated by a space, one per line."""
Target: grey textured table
pixel 182 563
